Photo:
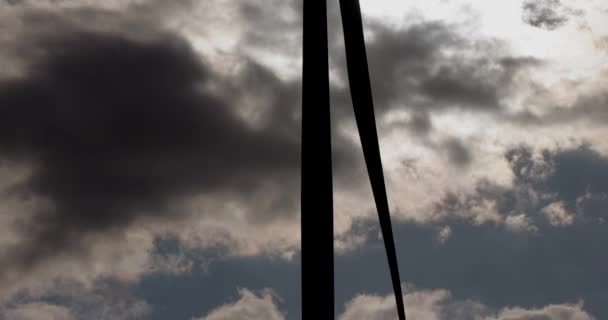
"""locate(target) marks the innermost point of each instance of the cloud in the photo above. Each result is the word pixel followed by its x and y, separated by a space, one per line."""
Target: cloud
pixel 549 187
pixel 419 305
pixel 520 223
pixel 420 122
pixel 458 152
pixel 551 312
pixel 71 301
pixel 39 311
pixel 557 214
pixel 548 14
pixel 550 217
pixel 423 72
pixel 432 65
pixel 565 103
pixel 111 136
pixel 145 177
pixel 425 304
pixel 250 305
pixel 440 305
pixel 569 174
pixel 544 14
pixel 116 128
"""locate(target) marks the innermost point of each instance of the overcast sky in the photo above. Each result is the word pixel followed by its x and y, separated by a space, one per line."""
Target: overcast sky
pixel 150 160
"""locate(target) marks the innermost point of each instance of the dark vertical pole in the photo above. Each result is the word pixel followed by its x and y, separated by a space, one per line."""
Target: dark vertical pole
pixel 317 200
pixel 361 92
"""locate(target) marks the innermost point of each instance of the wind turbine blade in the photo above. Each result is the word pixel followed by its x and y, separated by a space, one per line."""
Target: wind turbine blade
pixel 360 88
pixel 316 176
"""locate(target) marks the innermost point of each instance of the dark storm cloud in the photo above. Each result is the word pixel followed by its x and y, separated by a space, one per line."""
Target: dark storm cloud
pixel 119 119
pixel 117 128
pixel 547 14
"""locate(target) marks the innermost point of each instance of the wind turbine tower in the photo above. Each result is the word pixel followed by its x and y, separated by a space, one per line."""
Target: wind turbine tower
pixel 317 200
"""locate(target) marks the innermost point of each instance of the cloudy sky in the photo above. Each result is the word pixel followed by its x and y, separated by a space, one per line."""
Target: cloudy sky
pixel 150 157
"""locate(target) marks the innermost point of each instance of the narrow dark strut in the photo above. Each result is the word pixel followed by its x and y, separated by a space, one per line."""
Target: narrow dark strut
pixel 317 201
pixel 361 92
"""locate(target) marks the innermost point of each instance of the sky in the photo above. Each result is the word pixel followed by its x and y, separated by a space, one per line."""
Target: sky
pixel 150 160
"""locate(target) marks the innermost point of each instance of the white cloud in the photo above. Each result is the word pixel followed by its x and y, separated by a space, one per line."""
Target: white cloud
pixel 440 305
pixel 109 300
pixel 557 215
pixel 552 312
pixel 250 306
pixel 444 234
pixel 422 304
pixel 38 311
pixel 520 223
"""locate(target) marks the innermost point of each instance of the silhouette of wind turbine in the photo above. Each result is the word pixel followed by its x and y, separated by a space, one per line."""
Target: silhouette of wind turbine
pixel 316 189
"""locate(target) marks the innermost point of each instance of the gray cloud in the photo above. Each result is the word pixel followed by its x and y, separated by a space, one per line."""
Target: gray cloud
pixel 410 68
pixel 544 14
pixel 587 107
pixel 458 152
pixel 420 122
pixel 548 14
pixel 279 28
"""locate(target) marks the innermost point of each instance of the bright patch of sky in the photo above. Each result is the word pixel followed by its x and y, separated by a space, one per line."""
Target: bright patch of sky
pixel 575 51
